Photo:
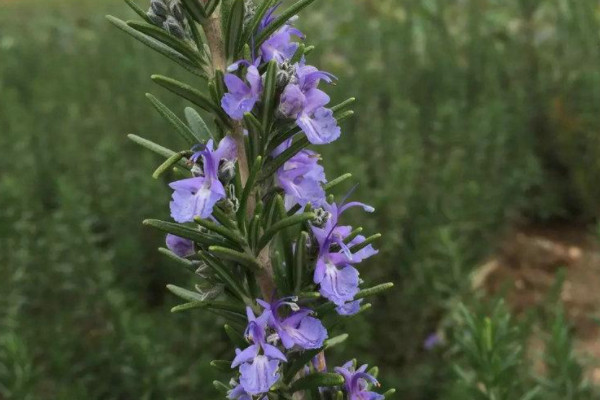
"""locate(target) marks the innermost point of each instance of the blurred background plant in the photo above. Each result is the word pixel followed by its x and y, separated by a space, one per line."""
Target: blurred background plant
pixel 473 116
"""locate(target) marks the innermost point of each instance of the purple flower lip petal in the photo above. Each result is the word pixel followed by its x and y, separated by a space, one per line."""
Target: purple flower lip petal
pixel 180 246
pixel 241 96
pixel 196 197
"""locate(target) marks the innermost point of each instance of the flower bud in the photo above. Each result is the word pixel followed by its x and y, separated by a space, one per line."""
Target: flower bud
pixel 249 12
pixel 160 8
pixel 226 171
pixel 177 11
pixel 284 74
pixel 197 171
pixel 173 26
pixel 321 217
pixel 154 18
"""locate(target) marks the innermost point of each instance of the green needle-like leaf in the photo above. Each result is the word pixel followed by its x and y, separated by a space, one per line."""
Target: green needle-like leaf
pixel 269 95
pixel 236 338
pixel 234 32
pixel 248 190
pixel 167 39
pixel 138 10
pixel 156 148
pixel 221 365
pixel 331 184
pixel 236 256
pixel 187 264
pixel 375 290
pixel 170 162
pixel 365 243
pixel 184 131
pixel 227 233
pixel 194 7
pixel 184 232
pixel 158 47
pixel 317 380
pixel 197 125
pixel 191 94
pixel 300 262
pixel 282 224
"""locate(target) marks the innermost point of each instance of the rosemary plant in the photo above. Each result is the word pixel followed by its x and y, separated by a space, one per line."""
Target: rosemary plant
pixel 254 219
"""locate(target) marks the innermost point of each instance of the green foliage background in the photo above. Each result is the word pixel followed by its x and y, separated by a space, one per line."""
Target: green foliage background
pixel 471 115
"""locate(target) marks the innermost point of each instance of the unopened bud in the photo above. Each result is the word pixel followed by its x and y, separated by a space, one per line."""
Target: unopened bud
pixel 177 11
pixel 154 18
pixel 321 217
pixel 284 74
pixel 249 12
pixel 226 171
pixel 173 26
pixel 160 8
pixel 197 171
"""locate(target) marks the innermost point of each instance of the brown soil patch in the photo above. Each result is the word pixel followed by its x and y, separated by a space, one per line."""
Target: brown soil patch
pixel 525 269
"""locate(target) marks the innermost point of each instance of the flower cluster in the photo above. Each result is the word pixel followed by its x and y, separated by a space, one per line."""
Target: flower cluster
pixel 259 363
pixel 253 218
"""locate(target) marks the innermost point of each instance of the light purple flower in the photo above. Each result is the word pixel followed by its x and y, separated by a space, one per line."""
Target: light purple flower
pixel 349 308
pixel 337 278
pixel 258 363
pixel 196 197
pixel 301 179
pixel 180 246
pixel 304 102
pixel 241 96
pixel 279 46
pixel 432 341
pixel 298 329
pixel 357 382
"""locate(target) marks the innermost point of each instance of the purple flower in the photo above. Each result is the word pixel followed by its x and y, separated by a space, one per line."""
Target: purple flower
pixel 337 278
pixel 301 178
pixel 238 392
pixel 258 363
pixel 197 196
pixel 180 246
pixel 302 101
pixel 350 308
pixel 432 341
pixel 298 329
pixel 357 382
pixel 279 46
pixel 241 96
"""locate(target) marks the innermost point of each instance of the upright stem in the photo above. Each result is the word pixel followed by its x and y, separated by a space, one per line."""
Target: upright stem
pixel 215 39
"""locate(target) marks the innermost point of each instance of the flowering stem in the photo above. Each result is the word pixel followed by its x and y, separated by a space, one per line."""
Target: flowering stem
pixel 215 39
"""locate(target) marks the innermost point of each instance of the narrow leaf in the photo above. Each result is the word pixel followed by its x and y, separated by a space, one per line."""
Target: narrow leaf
pixel 331 184
pixel 234 29
pixel 227 233
pixel 300 263
pixel 221 365
pixel 197 125
pixel 158 47
pixel 236 256
pixel 365 243
pixel 184 232
pixel 375 290
pixel 167 39
pixel 156 148
pixel 184 131
pixel 137 10
pixel 282 224
pixel 317 380
pixel 256 166
pixel 269 95
pixel 191 94
pixel 187 264
pixel 170 162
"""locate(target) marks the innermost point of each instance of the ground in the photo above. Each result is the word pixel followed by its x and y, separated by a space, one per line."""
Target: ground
pixel 524 271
